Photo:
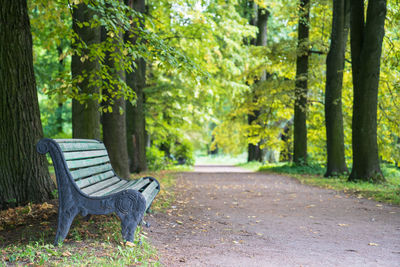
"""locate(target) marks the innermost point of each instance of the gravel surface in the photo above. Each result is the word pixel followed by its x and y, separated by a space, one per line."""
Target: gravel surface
pixel 226 216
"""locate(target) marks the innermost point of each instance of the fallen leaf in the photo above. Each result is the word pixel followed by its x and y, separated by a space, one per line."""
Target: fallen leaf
pixel 67 254
pixel 130 244
pixel 179 222
pixel 373 244
pixel 343 224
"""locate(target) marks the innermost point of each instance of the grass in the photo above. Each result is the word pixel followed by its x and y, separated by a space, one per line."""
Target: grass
pixel 252 165
pixel 27 234
pixel 388 192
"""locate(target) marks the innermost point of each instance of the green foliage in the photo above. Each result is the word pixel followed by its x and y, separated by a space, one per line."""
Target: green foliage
pixel 201 72
pixel 156 159
pixel 52 47
pixel 183 152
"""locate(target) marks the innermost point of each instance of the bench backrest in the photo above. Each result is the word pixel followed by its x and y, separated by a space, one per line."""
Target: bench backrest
pixel 88 163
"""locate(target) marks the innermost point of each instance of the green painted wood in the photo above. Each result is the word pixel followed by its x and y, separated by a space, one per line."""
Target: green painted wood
pixel 149 190
pixel 66 147
pixel 106 191
pixel 100 185
pixel 85 154
pixel 130 185
pixel 90 171
pixel 73 164
pixel 141 183
pixel 149 198
pixel 94 179
pixel 76 141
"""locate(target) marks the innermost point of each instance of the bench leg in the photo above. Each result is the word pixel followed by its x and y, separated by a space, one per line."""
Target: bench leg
pixel 64 223
pixel 130 209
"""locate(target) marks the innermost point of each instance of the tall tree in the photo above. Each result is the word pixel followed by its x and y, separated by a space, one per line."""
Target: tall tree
pixel 135 116
pixel 24 175
pixel 85 112
pixel 336 163
pixel 261 15
pixel 300 104
pixel 114 121
pixel 366 48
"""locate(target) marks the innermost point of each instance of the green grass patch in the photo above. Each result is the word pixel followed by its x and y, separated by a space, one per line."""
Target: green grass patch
pixel 27 234
pixel 312 174
pixel 97 242
pixel 180 168
pixel 252 165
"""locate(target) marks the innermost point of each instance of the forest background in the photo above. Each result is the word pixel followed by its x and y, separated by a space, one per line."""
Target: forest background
pixel 215 76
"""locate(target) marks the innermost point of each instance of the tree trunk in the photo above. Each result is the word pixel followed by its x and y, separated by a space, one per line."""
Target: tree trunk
pixel 24 175
pixel 85 116
pixel 135 116
pixel 300 104
pixel 114 123
pixel 59 110
pixel 255 153
pixel 366 49
pixel 336 164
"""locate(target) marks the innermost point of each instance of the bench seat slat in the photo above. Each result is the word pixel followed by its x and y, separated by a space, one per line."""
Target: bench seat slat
pixel 134 184
pixel 93 188
pixel 73 164
pixel 67 147
pixel 84 172
pixel 106 191
pixel 149 190
pixel 94 179
pixel 85 154
pixel 139 184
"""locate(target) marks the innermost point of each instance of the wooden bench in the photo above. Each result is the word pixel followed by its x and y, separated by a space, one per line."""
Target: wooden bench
pixel 87 184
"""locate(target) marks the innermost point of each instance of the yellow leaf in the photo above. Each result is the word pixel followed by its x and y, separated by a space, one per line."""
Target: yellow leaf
pixel 130 244
pixel 67 254
pixel 373 244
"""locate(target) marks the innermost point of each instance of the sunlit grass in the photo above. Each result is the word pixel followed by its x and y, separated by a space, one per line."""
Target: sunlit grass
pixel 97 242
pixel 83 251
pixel 252 165
pixel 312 174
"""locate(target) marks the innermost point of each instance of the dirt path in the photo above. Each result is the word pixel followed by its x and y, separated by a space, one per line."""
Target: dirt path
pixel 224 216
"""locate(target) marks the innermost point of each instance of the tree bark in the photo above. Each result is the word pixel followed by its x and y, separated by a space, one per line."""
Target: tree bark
pixel 85 116
pixel 366 50
pixel 300 104
pixel 24 175
pixel 59 110
pixel 260 19
pixel 336 163
pixel 114 123
pixel 135 115
pixel 254 152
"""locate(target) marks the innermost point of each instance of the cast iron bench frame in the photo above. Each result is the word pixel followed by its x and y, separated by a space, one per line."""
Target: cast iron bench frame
pixel 73 158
